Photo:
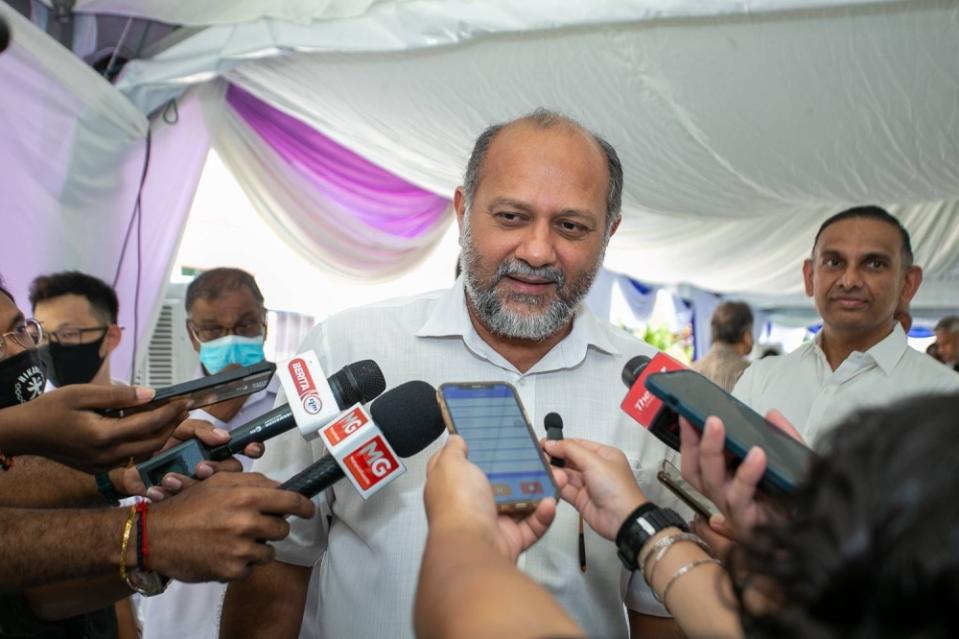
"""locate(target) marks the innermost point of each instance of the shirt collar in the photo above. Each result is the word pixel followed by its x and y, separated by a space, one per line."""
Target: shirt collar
pixel 886 353
pixel 450 318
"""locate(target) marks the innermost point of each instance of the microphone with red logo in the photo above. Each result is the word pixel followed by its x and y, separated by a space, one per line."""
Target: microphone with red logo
pixel 358 382
pixel 364 446
pixel 643 406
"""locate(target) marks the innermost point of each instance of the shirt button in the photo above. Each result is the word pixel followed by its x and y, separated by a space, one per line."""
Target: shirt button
pixel 521 381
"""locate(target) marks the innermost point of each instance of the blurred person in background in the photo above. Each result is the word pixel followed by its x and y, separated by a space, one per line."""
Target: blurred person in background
pixel 732 326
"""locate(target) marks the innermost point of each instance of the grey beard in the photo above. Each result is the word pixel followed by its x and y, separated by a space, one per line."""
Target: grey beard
pixel 499 319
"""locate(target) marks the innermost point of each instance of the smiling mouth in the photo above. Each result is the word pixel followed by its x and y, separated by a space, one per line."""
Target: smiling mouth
pixel 849 302
pixel 528 285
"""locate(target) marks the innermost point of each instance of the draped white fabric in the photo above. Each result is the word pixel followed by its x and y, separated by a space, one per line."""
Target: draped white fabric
pixel 738 136
pixel 741 124
pixel 322 231
pixel 73 153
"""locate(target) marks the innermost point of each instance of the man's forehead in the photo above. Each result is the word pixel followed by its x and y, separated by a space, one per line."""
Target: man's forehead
pixel 860 236
pixel 238 301
pixel 522 157
pixel 65 309
pixel 10 315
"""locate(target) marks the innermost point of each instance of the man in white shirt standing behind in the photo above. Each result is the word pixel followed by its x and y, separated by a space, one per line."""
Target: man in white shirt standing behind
pixel 861 270
pixel 227 325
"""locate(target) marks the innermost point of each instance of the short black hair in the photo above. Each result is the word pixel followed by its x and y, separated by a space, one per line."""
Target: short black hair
pixel 871 212
pixel 211 284
pixel 730 320
pixel 102 297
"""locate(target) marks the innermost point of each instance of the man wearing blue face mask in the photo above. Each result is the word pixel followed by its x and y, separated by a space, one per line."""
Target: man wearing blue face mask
pixel 226 322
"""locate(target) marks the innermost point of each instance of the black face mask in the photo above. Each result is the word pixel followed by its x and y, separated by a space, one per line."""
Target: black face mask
pixel 21 378
pixel 73 364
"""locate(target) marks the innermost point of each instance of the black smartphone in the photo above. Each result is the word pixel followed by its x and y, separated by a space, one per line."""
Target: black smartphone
pixel 696 398
pixel 207 390
pixel 670 477
pixel 491 418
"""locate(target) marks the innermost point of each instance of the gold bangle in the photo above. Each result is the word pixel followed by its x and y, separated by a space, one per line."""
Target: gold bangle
pixel 685 568
pixel 127 529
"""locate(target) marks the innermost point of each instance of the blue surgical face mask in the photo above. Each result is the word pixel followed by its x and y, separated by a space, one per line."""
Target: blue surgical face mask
pixel 219 353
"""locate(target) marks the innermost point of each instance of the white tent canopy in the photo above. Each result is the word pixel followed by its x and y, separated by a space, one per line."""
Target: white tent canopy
pixel 741 125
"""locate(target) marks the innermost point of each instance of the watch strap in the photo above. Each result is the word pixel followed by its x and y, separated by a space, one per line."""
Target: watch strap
pixel 645 522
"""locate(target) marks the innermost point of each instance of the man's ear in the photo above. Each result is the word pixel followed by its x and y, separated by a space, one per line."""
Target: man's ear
pixel 193 340
pixel 112 339
pixel 911 282
pixel 807 276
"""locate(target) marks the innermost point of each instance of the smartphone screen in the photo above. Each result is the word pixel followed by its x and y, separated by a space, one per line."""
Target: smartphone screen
pixel 696 398
pixel 490 417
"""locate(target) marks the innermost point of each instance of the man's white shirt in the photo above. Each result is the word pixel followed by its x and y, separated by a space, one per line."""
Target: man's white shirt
pixel 368 578
pixel 816 399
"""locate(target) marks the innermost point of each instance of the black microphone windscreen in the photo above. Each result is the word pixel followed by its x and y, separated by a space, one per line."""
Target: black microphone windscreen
pixel 4 35
pixel 633 368
pixel 553 420
pixel 409 417
pixel 360 382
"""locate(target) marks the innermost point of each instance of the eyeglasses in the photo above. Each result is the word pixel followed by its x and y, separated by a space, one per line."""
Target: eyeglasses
pixel 246 328
pixel 27 334
pixel 72 336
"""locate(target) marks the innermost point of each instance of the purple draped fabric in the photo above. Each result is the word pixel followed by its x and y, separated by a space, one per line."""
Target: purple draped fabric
pixel 375 196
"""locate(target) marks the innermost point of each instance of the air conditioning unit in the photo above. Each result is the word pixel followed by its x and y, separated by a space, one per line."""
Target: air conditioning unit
pixel 170 358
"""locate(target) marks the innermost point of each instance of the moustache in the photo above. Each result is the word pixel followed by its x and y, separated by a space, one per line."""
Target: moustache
pixel 517 267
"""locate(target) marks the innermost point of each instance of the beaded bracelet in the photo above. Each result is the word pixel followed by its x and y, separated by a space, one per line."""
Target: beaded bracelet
pixel 143 549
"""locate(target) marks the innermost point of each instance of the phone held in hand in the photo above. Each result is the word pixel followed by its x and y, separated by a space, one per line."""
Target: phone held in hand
pixel 670 477
pixel 211 389
pixel 501 441
pixel 696 398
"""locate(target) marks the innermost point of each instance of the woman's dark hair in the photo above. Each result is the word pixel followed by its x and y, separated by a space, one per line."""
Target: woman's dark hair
pixel 871 547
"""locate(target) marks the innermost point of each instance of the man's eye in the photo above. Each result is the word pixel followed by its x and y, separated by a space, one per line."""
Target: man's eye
pixel 508 216
pixel 573 228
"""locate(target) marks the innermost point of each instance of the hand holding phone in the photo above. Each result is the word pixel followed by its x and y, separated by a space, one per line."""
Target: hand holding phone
pixel 211 389
pixel 491 418
pixel 670 477
pixel 696 398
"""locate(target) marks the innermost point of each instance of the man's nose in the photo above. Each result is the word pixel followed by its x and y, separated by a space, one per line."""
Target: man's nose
pixel 536 247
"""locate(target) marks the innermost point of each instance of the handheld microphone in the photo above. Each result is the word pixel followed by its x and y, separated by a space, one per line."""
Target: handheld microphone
pixel 642 405
pixel 554 430
pixel 358 382
pixel 408 418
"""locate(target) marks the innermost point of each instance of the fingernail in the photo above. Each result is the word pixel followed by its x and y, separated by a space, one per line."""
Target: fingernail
pixel 717 520
pixel 752 454
pixel 145 394
pixel 222 433
pixel 203 471
pixel 172 483
pixel 154 494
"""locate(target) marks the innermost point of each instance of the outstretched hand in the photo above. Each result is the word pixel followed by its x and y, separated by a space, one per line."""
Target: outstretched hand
pixel 458 494
pixel 600 485
pixel 703 464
